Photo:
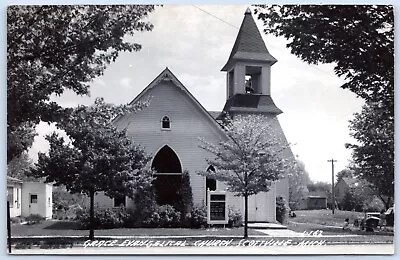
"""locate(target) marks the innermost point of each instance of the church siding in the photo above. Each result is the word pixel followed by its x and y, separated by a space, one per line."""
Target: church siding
pixel 188 124
pixel 103 201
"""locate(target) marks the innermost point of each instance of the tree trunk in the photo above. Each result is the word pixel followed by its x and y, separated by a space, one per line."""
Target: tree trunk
pixel 91 218
pixel 246 214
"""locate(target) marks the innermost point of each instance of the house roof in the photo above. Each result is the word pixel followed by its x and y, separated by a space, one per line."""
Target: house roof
pixel 318 193
pixel 353 182
pixel 249 44
pixel 251 103
pixel 167 75
pixel 12 179
pixel 316 197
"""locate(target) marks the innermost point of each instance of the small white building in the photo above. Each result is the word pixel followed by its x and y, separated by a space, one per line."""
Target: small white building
pixel 28 198
pixel 37 198
pixel 14 187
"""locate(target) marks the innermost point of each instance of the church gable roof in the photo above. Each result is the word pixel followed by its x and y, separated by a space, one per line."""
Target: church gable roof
pixel 249 44
pixel 168 76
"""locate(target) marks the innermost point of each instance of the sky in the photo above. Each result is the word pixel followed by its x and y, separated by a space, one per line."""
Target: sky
pixel 194 45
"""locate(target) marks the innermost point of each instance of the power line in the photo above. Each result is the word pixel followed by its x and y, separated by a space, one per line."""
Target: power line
pixel 232 25
pixel 228 23
pixel 269 44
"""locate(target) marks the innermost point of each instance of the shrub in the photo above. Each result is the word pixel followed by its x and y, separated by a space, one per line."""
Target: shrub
pixel 145 206
pixel 281 209
pixel 104 218
pixel 164 216
pixel 374 205
pixel 293 205
pixel 352 202
pixel 129 218
pixel 16 220
pixel 34 219
pixel 235 218
pixel 185 191
pixel 197 218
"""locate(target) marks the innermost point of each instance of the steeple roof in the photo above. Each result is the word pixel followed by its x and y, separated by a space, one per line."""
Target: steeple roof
pixel 249 44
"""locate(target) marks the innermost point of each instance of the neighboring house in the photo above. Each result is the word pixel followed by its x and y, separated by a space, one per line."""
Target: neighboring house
pixel 14 188
pixel 365 197
pixel 345 184
pixel 28 198
pixel 170 127
pixel 317 200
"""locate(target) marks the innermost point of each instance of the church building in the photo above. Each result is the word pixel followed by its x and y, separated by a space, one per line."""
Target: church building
pixel 170 127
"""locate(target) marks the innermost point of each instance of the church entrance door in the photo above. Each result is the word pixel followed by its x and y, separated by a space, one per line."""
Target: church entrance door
pixel 168 180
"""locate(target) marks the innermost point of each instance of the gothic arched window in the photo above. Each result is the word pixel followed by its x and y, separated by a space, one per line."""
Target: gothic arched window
pixel 165 123
pixel 211 183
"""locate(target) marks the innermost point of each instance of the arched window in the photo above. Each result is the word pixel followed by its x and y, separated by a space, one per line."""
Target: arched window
pixel 165 123
pixel 211 183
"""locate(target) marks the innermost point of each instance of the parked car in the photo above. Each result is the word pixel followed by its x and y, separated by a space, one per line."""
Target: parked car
pixel 373 214
pixel 371 223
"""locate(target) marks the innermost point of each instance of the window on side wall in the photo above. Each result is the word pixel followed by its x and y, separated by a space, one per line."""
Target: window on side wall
pixel 165 123
pixel 34 198
pixel 120 201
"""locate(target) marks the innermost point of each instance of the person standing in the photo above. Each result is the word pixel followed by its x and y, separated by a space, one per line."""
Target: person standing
pixel 382 220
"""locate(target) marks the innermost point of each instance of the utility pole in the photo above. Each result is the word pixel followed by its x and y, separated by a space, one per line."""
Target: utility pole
pixel 333 185
pixel 8 227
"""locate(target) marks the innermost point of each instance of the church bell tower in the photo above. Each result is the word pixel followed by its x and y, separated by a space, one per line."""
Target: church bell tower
pixel 248 72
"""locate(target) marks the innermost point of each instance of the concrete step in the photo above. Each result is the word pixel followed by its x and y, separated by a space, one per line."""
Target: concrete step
pixel 264 225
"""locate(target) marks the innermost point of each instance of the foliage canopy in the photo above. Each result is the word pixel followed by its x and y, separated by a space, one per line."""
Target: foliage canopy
pixel 358 39
pixel 373 154
pixel 53 48
pixel 97 158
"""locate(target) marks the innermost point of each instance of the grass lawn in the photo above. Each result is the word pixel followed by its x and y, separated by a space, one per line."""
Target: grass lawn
pixel 331 224
pixel 67 228
pixel 325 217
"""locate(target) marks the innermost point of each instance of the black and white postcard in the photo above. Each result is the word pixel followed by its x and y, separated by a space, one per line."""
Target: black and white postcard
pixel 200 129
